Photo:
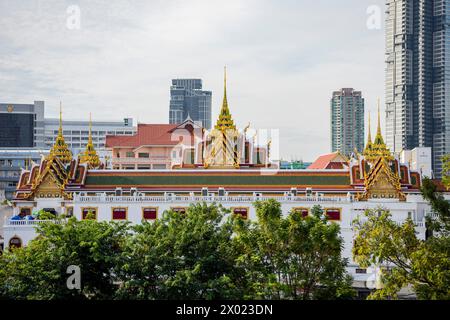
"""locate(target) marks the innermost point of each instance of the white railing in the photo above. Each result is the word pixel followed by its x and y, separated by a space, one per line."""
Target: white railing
pixel 141 160
pixel 189 199
pixel 399 223
pixel 31 222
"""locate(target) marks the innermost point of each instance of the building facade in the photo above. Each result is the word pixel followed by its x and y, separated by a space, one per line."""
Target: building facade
pixel 22 125
pixel 12 161
pixel 187 99
pixel 417 76
pixel 76 133
pixel 347 121
pixel 77 187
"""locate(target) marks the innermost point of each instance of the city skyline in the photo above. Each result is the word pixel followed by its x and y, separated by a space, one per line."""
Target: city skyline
pixel 119 62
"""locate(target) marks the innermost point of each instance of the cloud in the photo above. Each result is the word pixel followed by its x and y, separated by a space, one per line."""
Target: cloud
pixel 284 59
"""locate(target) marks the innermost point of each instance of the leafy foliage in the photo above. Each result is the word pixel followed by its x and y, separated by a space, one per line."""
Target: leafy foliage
pixel 206 253
pixel 292 257
pixel 424 265
pixel 38 271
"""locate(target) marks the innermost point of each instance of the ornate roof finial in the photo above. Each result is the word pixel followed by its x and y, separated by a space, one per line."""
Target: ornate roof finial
pixel 379 137
pixel 90 155
pixel 225 121
pixel 60 149
pixel 368 147
pixel 378 148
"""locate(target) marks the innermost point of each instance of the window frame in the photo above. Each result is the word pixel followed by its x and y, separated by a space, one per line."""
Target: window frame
pixel 96 213
pixel 240 208
pixel 112 213
pixel 156 213
pixel 334 209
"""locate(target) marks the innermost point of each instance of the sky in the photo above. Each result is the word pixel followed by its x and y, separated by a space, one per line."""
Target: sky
pixel 284 59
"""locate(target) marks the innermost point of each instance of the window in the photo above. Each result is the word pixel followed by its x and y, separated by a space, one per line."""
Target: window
pixel 243 212
pixel 130 154
pixel 303 211
pixel 181 210
pixel 143 155
pixel 69 211
pixel 149 213
pixel 333 214
pixel 92 212
pixel 15 242
pixel 119 213
pixel 359 270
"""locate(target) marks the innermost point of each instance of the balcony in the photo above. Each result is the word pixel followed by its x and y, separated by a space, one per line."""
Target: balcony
pixel 152 160
pixel 25 223
pixel 191 199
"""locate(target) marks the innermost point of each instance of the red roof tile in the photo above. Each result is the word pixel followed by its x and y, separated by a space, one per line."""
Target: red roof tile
pixel 326 162
pixel 147 134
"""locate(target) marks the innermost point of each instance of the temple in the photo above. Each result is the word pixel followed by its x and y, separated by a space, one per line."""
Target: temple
pixel 218 166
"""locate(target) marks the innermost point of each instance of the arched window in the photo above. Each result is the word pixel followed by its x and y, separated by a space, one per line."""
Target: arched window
pixel 15 242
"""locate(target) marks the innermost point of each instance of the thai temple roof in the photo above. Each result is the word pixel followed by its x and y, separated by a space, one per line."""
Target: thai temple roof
pixel 375 174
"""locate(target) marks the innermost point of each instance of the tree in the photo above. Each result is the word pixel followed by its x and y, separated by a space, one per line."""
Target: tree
pixel 39 271
pixel 424 265
pixel 293 257
pixel 182 256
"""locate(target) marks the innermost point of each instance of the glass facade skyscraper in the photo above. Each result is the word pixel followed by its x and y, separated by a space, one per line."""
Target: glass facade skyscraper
pixel 188 99
pixel 418 76
pixel 347 121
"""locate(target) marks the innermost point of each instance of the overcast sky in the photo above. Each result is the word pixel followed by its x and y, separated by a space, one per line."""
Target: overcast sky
pixel 284 58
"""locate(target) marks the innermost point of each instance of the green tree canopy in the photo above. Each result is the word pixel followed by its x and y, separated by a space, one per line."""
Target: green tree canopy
pixel 292 257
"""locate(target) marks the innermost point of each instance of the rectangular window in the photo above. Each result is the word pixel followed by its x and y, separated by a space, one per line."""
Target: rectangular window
pixel 119 213
pixel 333 214
pixel 358 270
pixel 86 211
pixel 303 211
pixel 130 154
pixel 149 213
pixel 181 210
pixel 243 212
pixel 143 155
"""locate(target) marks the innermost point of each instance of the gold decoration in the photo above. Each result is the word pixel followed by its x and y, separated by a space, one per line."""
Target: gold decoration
pixel 378 148
pixel 382 183
pixel 90 156
pixel 221 149
pixel 60 149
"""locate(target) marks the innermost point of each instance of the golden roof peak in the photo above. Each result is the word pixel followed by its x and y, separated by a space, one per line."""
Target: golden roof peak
pixel 59 148
pixel 90 155
pixel 225 121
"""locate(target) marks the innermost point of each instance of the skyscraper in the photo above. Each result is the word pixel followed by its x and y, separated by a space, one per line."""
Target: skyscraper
pixel 418 76
pixel 347 121
pixel 22 125
pixel 188 99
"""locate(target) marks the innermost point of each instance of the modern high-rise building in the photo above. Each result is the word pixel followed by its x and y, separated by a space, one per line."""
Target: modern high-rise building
pixel 418 76
pixel 21 125
pixel 187 99
pixel 347 121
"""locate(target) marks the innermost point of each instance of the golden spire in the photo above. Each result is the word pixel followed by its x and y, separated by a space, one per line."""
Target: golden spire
pixel 225 121
pixel 90 155
pixel 378 148
pixel 60 149
pixel 368 147
pixel 379 137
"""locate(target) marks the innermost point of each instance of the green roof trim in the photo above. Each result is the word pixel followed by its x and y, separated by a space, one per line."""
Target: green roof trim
pixel 205 180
